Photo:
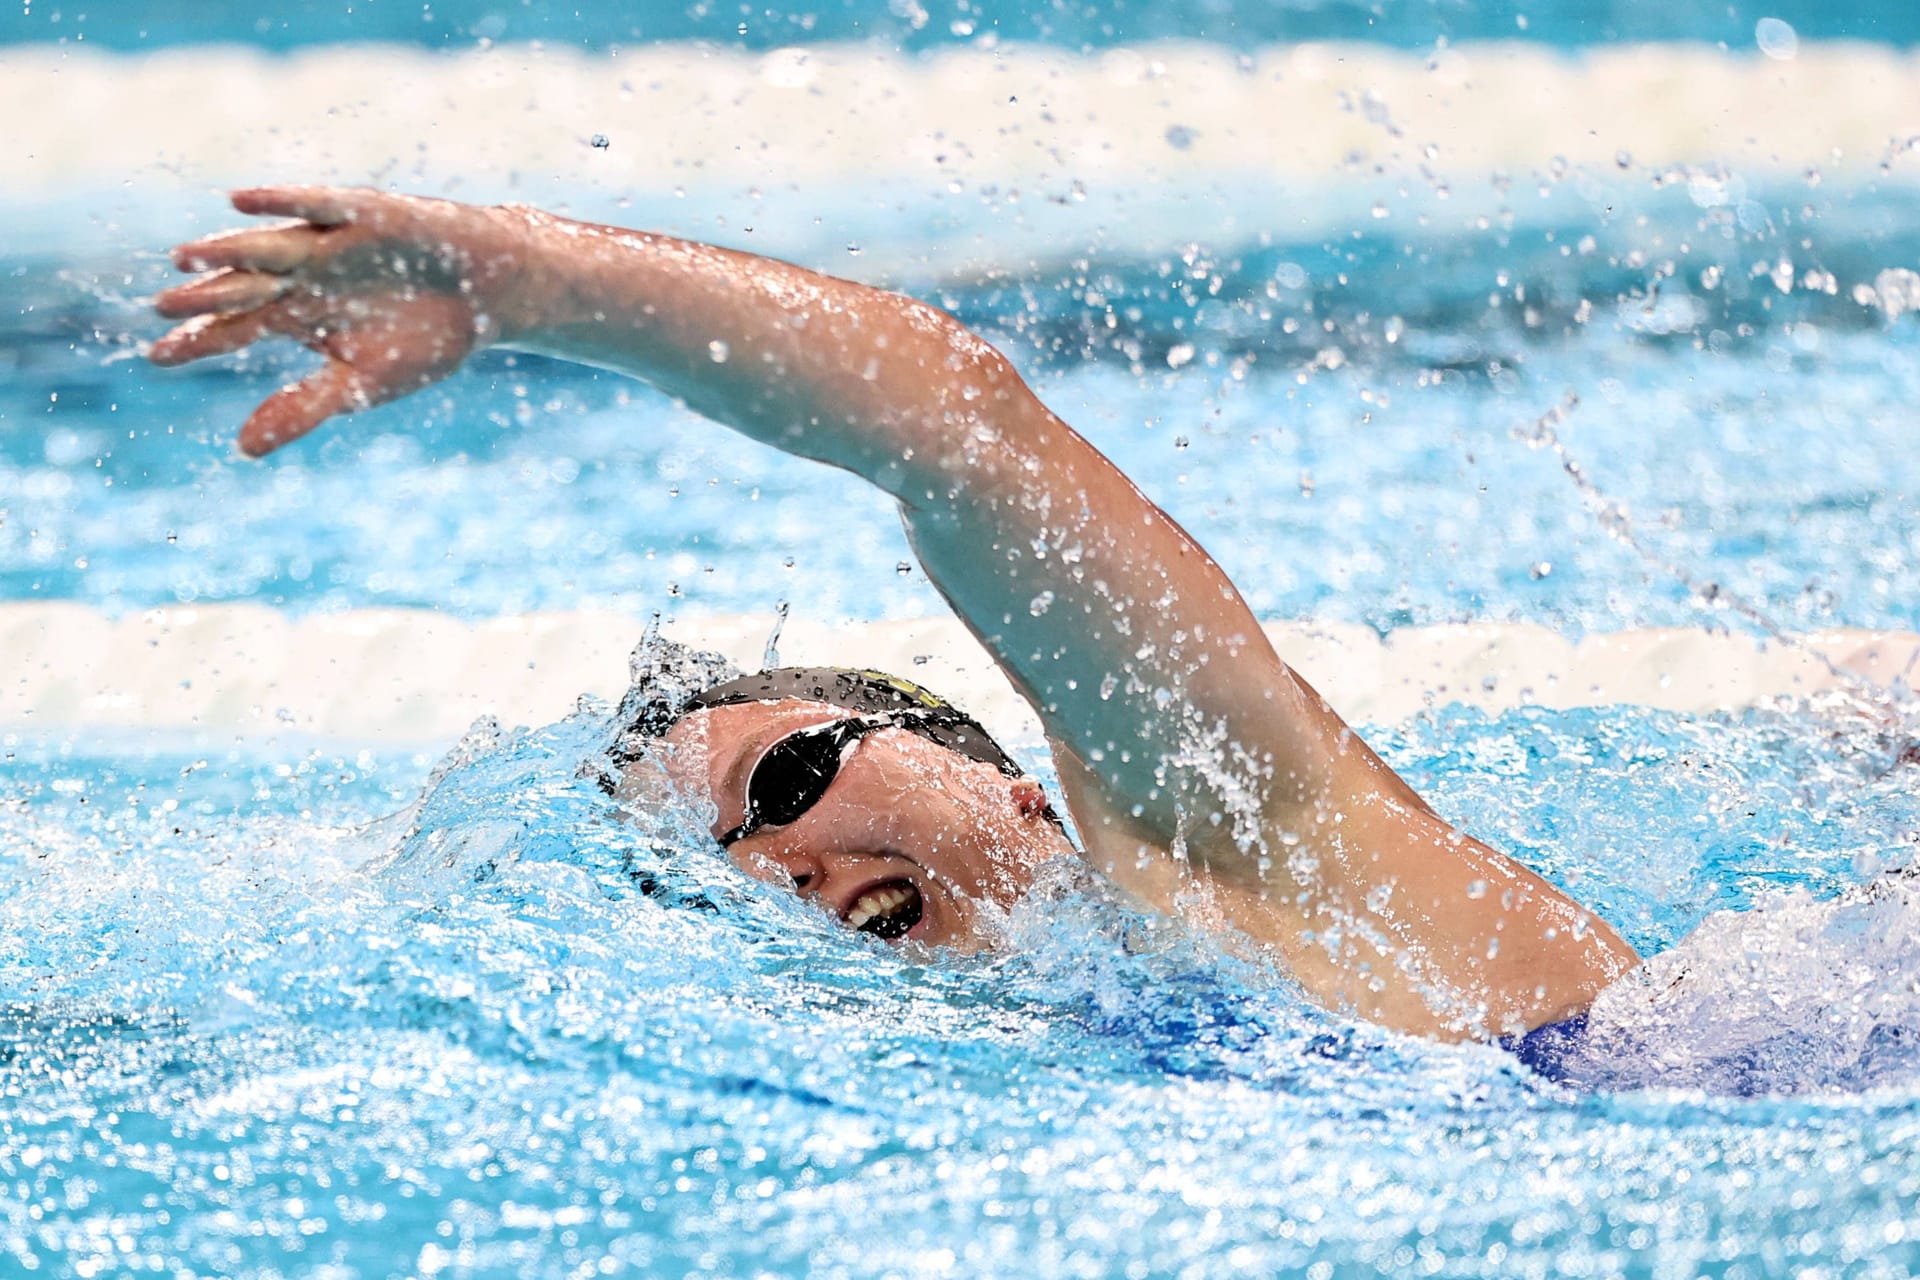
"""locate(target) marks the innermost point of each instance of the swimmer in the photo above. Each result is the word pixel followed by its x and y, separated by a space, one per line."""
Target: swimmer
pixel 1200 770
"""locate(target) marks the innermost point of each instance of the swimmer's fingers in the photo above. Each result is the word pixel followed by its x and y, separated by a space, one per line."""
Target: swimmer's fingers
pixel 278 249
pixel 322 206
pixel 205 336
pixel 327 207
pixel 292 411
pixel 220 292
pixel 412 343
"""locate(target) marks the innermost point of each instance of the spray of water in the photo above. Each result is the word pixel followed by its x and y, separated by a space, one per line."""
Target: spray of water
pixel 1543 433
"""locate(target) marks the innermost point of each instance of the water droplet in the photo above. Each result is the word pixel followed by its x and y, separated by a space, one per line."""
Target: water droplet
pixel 1623 158
pixel 1180 442
pixel 1040 603
pixel 1379 208
pixel 599 142
pixel 1776 38
pixel 770 656
pixel 1180 137
pixel 717 351
pixel 1179 354
pixel 903 567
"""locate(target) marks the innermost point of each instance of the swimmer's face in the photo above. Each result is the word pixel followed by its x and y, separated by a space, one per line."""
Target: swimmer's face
pixel 910 840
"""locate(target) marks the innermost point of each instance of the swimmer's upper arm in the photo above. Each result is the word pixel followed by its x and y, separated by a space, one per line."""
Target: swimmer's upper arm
pixel 1179 730
pixel 1147 668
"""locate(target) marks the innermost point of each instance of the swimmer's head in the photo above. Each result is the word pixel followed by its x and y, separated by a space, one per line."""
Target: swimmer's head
pixel 866 793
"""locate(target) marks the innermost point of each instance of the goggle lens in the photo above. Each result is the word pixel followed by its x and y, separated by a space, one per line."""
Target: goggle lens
pixel 796 771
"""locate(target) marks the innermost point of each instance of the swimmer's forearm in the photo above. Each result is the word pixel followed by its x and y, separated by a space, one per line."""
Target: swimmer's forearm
pixel 828 369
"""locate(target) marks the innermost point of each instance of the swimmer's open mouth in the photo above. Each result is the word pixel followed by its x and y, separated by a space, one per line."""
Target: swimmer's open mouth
pixel 887 910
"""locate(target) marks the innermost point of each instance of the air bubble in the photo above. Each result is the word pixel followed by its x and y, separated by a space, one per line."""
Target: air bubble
pixel 1776 38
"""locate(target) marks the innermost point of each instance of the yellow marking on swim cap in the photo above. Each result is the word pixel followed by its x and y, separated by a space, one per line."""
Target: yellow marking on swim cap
pixel 906 688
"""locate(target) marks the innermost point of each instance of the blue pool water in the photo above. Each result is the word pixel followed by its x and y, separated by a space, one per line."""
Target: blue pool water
pixel 246 1034
pixel 279 1007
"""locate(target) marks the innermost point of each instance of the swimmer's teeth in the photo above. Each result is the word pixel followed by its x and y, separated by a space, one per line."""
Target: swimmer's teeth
pixel 878 904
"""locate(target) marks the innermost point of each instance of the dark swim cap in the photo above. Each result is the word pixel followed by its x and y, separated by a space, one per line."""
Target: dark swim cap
pixel 868 693
pixel 658 700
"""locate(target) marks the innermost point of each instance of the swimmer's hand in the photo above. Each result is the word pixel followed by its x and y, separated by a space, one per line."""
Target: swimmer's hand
pixel 393 291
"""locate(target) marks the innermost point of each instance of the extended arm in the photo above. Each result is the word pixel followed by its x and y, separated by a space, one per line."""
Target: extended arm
pixel 1177 728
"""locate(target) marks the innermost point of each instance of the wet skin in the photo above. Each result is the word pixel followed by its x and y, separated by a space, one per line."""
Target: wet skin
pixel 901 809
pixel 1205 776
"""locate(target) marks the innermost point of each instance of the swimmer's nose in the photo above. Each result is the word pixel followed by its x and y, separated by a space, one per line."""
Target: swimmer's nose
pixel 783 866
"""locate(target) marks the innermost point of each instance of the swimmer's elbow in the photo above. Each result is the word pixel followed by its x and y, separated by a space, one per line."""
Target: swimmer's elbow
pixel 948 356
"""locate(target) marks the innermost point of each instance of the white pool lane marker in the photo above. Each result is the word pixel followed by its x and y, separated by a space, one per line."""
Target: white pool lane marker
pixel 1058 143
pixel 416 677
pixel 684 113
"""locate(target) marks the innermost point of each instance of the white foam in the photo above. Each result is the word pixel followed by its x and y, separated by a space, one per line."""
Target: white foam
pixel 1049 137
pixel 418 677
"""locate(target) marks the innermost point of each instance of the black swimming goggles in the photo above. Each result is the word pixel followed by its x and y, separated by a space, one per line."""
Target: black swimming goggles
pixel 791 775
